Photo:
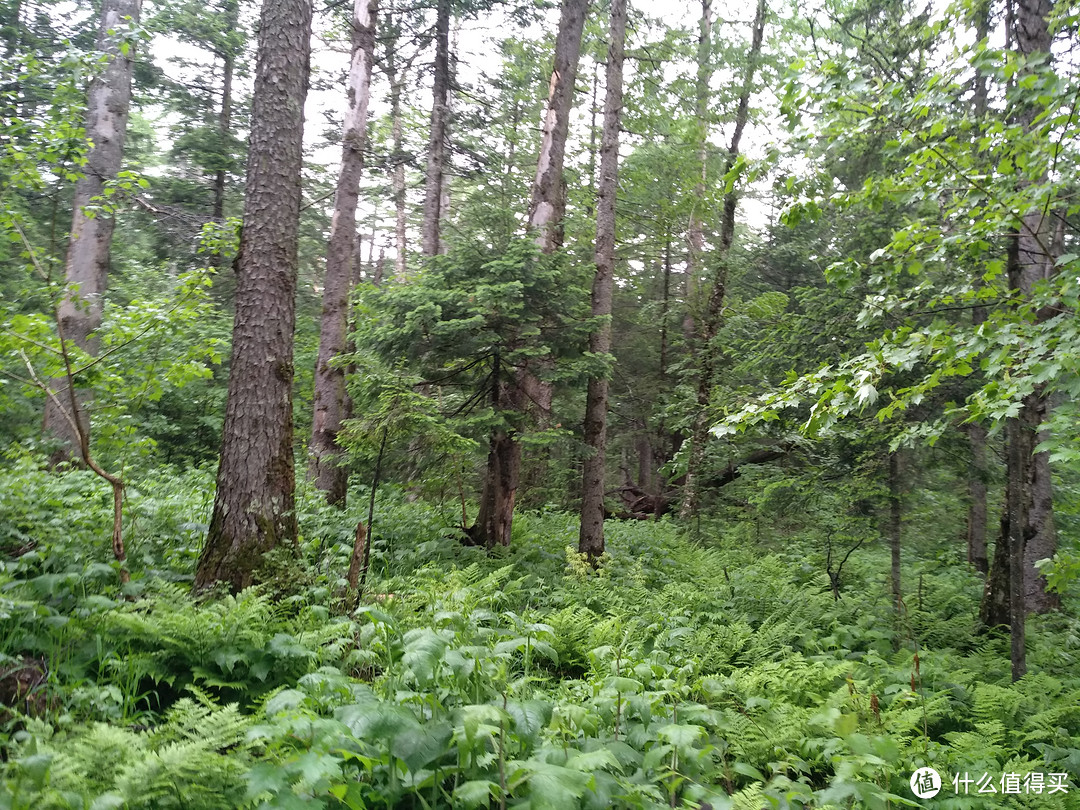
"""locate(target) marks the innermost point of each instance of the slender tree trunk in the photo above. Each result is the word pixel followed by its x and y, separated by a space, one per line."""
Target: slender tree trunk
pixel 548 202
pixel 712 317
pixel 326 467
pixel 977 472
pixel 665 306
pixel 593 112
pixel 1039 245
pixel 87 266
pixel 254 507
pixel 977 510
pixel 894 537
pixel 1032 257
pixel 396 79
pixel 591 538
pixel 380 269
pixel 1019 462
pixel 445 191
pixel 228 66
pixel 436 160
pixel 696 233
pixel 994 610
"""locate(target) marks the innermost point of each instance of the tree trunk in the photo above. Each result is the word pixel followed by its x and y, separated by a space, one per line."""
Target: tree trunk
pixel 326 468
pixel 495 519
pixel 228 65
pixel 436 159
pixel 254 509
pixel 894 539
pixel 696 234
pixel 1031 261
pixel 665 305
pixel 1019 461
pixel 591 538
pixel 1039 245
pixel 547 206
pixel 977 513
pixel 108 102
pixel 1040 536
pixel 396 79
pixel 712 317
pixel 994 609
pixel 546 209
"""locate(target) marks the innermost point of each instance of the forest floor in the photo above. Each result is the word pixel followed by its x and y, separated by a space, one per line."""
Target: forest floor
pixel 688 670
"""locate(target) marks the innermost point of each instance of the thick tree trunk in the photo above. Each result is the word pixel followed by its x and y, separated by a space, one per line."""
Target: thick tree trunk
pixel 496 516
pixel 495 519
pixel 548 202
pixel 254 508
pixel 591 538
pixel 977 510
pixel 436 159
pixel 327 469
pixel 994 609
pixel 712 317
pixel 696 233
pixel 108 102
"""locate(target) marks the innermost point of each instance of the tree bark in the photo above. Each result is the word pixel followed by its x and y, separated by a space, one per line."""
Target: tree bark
pixel 591 537
pixel 712 317
pixel 1019 461
pixel 977 510
pixel 255 499
pixel 87 266
pixel 494 521
pixel 1038 248
pixel 436 159
pixel 1040 535
pixel 548 201
pixel 326 466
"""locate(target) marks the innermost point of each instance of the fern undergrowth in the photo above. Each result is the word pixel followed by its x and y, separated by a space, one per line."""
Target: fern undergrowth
pixel 678 673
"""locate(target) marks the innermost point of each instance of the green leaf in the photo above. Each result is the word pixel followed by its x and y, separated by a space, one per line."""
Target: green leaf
pixel 421 745
pixel 552 787
pixel 598 760
pixel 529 717
pixel 286 700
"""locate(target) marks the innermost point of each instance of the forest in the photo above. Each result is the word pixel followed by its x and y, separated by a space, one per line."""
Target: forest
pixel 539 404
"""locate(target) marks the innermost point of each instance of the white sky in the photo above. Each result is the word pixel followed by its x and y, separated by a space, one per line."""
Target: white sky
pixel 476 55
